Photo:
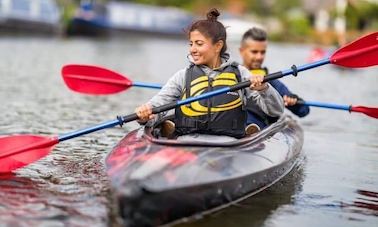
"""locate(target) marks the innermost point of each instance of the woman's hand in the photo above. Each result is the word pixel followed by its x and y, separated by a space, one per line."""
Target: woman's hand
pixel 144 113
pixel 257 83
pixel 289 101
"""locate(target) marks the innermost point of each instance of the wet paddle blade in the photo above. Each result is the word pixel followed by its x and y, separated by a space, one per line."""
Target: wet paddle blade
pixel 94 80
pixel 361 53
pixel 370 111
pixel 20 150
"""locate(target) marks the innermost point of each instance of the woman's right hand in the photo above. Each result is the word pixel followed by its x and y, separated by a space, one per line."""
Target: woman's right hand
pixel 257 82
pixel 144 113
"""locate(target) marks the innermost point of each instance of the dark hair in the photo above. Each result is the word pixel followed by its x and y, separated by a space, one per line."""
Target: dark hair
pixel 211 28
pixel 254 33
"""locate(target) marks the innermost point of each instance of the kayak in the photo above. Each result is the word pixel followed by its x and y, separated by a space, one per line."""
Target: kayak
pixel 157 181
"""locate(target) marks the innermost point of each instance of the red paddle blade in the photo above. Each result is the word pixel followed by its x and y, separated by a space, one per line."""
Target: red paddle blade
pixel 361 53
pixel 94 80
pixel 370 111
pixel 20 150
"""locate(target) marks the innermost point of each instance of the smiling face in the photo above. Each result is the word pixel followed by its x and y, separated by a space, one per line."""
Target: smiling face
pixel 203 50
pixel 253 53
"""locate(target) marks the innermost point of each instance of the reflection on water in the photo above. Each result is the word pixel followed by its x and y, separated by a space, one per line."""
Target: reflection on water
pixel 255 211
pixel 57 190
pixel 336 184
pixel 366 203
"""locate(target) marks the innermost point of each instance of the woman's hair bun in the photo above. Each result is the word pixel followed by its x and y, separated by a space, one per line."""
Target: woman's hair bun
pixel 212 15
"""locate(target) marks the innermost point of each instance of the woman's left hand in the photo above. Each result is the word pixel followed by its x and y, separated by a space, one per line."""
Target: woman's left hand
pixel 257 83
pixel 144 113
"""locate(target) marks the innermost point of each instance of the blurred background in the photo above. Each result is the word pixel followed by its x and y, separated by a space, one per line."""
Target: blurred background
pixel 145 40
pixel 311 21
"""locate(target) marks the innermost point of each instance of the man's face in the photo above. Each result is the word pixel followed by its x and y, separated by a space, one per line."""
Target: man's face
pixel 253 53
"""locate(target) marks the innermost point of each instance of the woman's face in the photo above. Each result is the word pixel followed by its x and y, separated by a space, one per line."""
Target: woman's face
pixel 203 51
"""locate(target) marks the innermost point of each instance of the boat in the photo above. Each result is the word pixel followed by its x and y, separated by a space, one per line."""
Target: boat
pixel 317 53
pixel 29 17
pixel 158 181
pixel 115 18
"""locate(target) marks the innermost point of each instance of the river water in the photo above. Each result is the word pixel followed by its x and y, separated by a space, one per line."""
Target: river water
pixel 336 183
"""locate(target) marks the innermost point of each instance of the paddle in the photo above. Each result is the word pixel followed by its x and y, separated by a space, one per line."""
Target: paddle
pixel 369 111
pixel 20 150
pixel 70 71
pixel 95 80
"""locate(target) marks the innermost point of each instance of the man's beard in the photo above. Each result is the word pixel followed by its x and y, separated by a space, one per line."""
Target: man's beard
pixel 255 65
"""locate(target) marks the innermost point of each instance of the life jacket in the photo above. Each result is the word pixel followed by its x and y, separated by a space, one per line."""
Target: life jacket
pixel 263 71
pixel 223 114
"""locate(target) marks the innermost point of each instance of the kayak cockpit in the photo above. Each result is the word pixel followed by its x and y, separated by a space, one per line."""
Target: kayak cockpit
pixel 153 132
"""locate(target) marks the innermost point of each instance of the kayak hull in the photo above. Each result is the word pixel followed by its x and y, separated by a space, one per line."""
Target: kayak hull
pixel 160 181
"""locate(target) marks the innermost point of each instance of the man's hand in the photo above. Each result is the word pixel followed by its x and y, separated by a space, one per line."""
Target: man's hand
pixel 289 101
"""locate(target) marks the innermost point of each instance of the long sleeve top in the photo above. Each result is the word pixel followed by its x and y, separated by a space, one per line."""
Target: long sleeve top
pixel 268 100
pixel 298 109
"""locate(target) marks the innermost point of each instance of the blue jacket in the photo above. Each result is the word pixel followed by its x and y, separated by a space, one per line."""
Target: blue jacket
pixel 299 110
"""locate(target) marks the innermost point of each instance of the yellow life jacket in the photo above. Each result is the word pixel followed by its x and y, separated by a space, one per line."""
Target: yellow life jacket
pixel 262 71
pixel 223 114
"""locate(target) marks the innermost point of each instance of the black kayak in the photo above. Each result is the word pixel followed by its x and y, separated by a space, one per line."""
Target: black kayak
pixel 157 181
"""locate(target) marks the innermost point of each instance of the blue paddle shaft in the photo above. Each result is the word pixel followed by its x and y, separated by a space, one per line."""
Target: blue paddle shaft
pixel 325 105
pixel 311 65
pixel 294 70
pixel 104 125
pixel 279 74
pixel 147 85
pixel 121 120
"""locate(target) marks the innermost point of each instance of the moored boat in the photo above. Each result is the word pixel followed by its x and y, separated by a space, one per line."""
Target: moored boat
pixel 96 19
pixel 158 180
pixel 29 16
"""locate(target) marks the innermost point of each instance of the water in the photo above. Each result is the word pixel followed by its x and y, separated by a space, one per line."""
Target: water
pixel 335 183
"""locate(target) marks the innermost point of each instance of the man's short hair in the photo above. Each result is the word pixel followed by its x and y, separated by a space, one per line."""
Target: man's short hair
pixel 256 34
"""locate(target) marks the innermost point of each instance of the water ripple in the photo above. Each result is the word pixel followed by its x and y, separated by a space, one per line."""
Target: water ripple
pixel 69 187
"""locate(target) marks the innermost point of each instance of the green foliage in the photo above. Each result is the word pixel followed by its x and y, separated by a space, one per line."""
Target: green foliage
pixel 176 3
pixel 359 14
pixel 366 15
pixel 68 10
pixel 268 8
pixel 282 6
pixel 299 26
pixel 259 8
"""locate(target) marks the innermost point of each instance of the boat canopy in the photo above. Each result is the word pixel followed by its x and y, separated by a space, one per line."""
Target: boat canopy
pixel 147 17
pixel 35 10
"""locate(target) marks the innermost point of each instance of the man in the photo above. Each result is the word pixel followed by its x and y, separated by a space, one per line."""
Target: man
pixel 252 50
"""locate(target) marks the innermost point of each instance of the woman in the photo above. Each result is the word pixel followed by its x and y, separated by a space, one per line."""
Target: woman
pixel 209 70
